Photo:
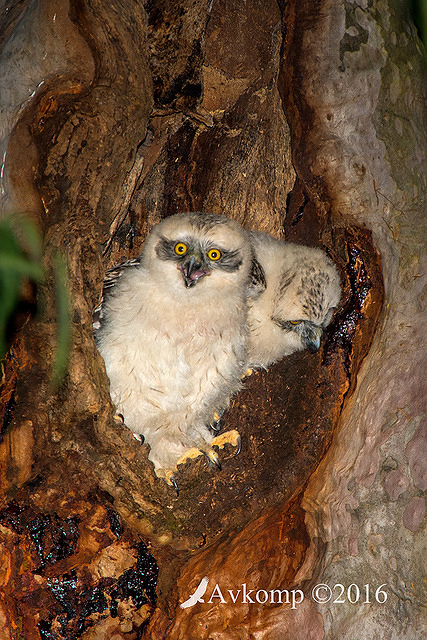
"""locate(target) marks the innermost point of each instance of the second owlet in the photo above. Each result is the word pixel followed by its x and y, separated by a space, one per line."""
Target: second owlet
pixel 296 290
pixel 173 333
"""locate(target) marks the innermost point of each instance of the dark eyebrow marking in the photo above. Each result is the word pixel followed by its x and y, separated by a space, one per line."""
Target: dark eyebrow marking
pixel 230 260
pixel 257 279
pixel 286 281
pixel 165 248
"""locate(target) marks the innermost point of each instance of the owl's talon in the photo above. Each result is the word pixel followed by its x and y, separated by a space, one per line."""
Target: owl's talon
pixel 213 457
pixel 218 415
pixel 238 445
pixel 171 481
pixel 119 417
pixel 215 425
pixel 175 485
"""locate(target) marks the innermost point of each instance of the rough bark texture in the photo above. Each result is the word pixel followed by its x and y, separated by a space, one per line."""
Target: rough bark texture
pixel 305 120
pixel 367 144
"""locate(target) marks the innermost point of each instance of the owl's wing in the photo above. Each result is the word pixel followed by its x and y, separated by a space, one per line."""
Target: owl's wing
pixel 257 279
pixel 111 278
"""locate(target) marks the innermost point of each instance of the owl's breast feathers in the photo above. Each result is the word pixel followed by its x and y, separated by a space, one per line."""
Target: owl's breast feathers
pixel 187 331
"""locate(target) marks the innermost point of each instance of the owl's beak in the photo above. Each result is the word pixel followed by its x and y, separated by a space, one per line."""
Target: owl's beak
pixel 312 339
pixel 193 270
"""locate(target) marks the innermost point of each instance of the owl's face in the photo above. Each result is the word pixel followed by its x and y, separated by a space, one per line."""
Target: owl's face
pixel 294 299
pixel 198 251
pixel 306 304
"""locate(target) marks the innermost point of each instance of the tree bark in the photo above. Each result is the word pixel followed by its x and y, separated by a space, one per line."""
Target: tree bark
pixel 306 120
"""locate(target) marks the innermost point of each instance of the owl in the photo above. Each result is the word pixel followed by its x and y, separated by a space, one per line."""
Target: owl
pixel 172 330
pixel 294 292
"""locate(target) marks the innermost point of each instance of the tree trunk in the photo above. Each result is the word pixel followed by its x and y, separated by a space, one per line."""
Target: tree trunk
pixel 302 119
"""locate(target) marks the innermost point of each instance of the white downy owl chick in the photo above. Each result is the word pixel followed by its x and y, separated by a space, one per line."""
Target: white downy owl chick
pixel 173 333
pixel 300 287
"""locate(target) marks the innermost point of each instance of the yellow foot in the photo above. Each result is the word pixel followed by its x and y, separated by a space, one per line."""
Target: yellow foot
pixel 247 373
pixel 228 437
pixel 191 454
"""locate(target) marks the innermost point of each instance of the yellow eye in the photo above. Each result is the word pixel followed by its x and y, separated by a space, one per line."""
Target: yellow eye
pixel 294 321
pixel 180 249
pixel 214 254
